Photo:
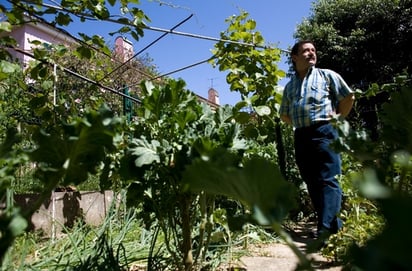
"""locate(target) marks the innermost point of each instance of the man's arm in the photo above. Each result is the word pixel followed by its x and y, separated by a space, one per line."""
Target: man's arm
pixel 345 105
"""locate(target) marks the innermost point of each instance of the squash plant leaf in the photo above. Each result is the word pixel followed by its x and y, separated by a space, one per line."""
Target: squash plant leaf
pixel 69 154
pixel 146 152
pixel 258 184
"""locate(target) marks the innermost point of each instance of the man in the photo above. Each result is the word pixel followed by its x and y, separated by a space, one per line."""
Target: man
pixel 309 101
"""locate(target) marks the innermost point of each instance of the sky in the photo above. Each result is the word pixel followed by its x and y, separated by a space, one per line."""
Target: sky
pixel 276 20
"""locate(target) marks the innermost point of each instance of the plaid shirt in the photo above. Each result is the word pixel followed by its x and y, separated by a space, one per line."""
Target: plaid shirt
pixel 314 98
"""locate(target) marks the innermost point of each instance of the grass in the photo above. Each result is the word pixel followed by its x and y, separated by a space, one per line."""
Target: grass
pixel 115 245
pixel 121 242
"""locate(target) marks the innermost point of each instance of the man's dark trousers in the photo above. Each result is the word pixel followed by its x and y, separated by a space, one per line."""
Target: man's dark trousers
pixel 319 167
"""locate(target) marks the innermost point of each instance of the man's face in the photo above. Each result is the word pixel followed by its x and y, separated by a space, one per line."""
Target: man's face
pixel 305 57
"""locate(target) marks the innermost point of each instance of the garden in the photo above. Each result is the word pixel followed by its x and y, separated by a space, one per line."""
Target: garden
pixel 198 186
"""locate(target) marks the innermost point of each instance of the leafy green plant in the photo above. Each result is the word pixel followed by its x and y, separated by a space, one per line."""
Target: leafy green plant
pixel 257 183
pixel 362 217
pixel 252 70
pixel 172 129
pixel 384 180
pixel 63 147
pixel 253 73
pixel 178 155
pixel 64 154
pixel 12 221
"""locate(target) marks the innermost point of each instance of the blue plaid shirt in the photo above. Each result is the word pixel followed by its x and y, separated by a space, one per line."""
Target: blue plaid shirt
pixel 314 98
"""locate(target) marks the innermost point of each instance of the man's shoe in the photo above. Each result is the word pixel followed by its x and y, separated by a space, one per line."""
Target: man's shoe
pixel 316 245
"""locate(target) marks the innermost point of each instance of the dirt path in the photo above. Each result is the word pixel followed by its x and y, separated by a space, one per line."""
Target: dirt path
pixel 278 256
pixel 281 257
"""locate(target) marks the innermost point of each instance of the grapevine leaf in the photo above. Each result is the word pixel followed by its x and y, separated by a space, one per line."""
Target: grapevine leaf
pixel 63 19
pixel 263 110
pixel 7 67
pixel 5 26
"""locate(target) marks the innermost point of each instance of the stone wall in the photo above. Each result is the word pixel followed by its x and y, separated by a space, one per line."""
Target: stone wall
pixel 64 209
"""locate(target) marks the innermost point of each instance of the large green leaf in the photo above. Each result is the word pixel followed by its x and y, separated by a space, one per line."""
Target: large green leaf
pixel 76 150
pixel 146 152
pixel 7 68
pixel 258 184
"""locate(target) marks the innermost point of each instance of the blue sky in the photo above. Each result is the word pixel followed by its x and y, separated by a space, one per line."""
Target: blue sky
pixel 276 21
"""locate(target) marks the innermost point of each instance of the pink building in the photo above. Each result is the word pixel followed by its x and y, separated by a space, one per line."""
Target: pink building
pixel 42 32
